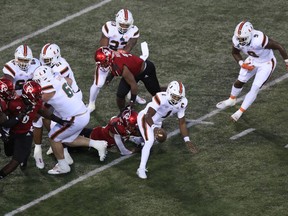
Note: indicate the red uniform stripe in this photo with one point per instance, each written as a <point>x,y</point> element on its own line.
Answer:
<point>240,27</point>
<point>264,40</point>
<point>25,50</point>
<point>64,70</point>
<point>126,14</point>
<point>144,126</point>
<point>10,69</point>
<point>45,48</point>
<point>180,87</point>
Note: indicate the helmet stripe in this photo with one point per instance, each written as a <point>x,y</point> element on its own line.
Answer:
<point>45,48</point>
<point>126,14</point>
<point>240,27</point>
<point>25,50</point>
<point>180,87</point>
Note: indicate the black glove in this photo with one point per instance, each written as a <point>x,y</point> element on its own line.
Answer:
<point>109,78</point>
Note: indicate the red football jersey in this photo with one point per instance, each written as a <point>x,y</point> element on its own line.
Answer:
<point>115,126</point>
<point>3,105</point>
<point>134,64</point>
<point>15,107</point>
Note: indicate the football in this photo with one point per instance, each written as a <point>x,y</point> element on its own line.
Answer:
<point>160,135</point>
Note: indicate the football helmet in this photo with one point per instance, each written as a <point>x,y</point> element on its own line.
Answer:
<point>23,57</point>
<point>124,20</point>
<point>129,117</point>
<point>175,92</point>
<point>243,33</point>
<point>31,92</point>
<point>50,54</point>
<point>43,74</point>
<point>7,91</point>
<point>103,56</point>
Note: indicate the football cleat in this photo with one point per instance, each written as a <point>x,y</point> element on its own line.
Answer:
<point>101,147</point>
<point>38,157</point>
<point>140,100</point>
<point>235,117</point>
<point>226,103</point>
<point>59,170</point>
<point>142,173</point>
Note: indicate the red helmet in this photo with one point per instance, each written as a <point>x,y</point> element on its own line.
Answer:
<point>7,91</point>
<point>31,92</point>
<point>103,56</point>
<point>129,117</point>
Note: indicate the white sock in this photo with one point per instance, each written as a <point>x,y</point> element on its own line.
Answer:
<point>38,147</point>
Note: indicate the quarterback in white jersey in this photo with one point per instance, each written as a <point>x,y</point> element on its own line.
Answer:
<point>149,120</point>
<point>119,35</point>
<point>58,93</point>
<point>21,68</point>
<point>260,63</point>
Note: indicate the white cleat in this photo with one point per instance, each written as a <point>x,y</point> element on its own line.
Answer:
<point>38,158</point>
<point>140,100</point>
<point>142,173</point>
<point>68,157</point>
<point>235,117</point>
<point>50,151</point>
<point>126,152</point>
<point>226,103</point>
<point>91,107</point>
<point>59,170</point>
<point>101,147</point>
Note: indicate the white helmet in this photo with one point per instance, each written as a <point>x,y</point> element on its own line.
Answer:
<point>243,33</point>
<point>50,54</point>
<point>124,20</point>
<point>43,75</point>
<point>175,92</point>
<point>23,57</point>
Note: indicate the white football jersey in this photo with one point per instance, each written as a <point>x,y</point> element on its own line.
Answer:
<point>65,103</point>
<point>63,69</point>
<point>164,109</point>
<point>116,39</point>
<point>20,76</point>
<point>256,49</point>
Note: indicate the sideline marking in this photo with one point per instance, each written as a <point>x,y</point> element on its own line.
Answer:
<point>60,22</point>
<point>243,133</point>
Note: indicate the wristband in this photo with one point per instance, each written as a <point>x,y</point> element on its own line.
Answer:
<point>286,61</point>
<point>153,126</point>
<point>240,63</point>
<point>186,139</point>
<point>133,98</point>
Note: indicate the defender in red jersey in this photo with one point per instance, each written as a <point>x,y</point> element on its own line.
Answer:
<point>118,130</point>
<point>132,69</point>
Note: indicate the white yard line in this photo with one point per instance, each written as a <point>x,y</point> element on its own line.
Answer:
<point>100,169</point>
<point>243,133</point>
<point>60,22</point>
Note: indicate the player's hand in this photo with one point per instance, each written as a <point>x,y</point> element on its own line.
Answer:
<point>248,67</point>
<point>192,148</point>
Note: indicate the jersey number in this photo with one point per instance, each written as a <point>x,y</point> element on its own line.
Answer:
<point>68,90</point>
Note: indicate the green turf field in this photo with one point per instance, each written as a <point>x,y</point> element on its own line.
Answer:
<point>188,41</point>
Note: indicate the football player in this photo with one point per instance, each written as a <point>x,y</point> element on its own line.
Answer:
<point>132,69</point>
<point>58,93</point>
<point>21,68</point>
<point>118,130</point>
<point>260,63</point>
<point>120,35</point>
<point>163,105</point>
<point>51,56</point>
